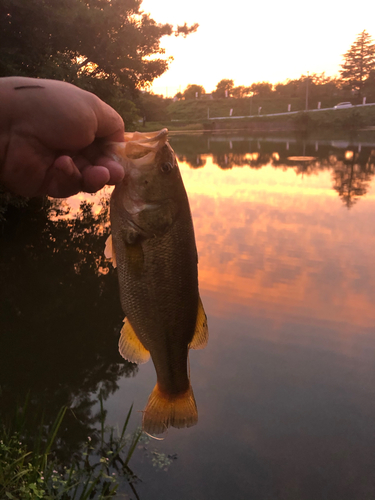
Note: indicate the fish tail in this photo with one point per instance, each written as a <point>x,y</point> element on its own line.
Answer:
<point>169,410</point>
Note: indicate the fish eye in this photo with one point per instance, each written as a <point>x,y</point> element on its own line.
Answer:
<point>166,167</point>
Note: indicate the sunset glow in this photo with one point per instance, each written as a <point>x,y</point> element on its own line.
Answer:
<point>250,42</point>
<point>277,244</point>
<point>266,239</point>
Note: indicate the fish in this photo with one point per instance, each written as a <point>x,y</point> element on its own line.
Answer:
<point>152,244</point>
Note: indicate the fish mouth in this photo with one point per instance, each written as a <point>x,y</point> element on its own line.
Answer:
<point>139,149</point>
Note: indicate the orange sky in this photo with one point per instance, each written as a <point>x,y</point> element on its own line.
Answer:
<point>251,42</point>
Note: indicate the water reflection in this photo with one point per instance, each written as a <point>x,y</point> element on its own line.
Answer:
<point>59,315</point>
<point>352,163</point>
<point>287,277</point>
<point>283,243</point>
<point>285,386</point>
<point>352,179</point>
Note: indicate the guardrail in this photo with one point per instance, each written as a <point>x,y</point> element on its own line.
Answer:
<point>289,112</point>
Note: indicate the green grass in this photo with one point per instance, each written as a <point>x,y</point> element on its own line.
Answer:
<point>171,126</point>
<point>199,110</point>
<point>29,472</point>
<point>192,115</point>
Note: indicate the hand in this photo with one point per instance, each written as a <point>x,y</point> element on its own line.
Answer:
<point>52,138</point>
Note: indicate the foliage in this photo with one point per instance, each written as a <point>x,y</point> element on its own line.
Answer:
<point>369,86</point>
<point>152,107</point>
<point>262,89</point>
<point>193,91</point>
<point>110,47</point>
<point>23,473</point>
<point>59,323</point>
<point>359,60</point>
<point>240,92</point>
<point>8,200</point>
<point>59,305</point>
<point>288,89</point>
<point>321,88</point>
<point>31,469</point>
<point>223,88</point>
<point>351,182</point>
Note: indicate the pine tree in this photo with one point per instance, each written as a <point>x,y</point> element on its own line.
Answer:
<point>359,60</point>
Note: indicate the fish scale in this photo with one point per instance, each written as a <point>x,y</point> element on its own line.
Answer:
<point>154,247</point>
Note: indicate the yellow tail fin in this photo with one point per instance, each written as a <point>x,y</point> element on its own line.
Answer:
<point>164,410</point>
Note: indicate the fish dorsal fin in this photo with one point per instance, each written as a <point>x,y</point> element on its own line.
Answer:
<point>109,251</point>
<point>200,338</point>
<point>130,347</point>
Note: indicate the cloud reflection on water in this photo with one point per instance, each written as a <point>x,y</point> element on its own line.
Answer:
<point>284,387</point>
<point>271,240</point>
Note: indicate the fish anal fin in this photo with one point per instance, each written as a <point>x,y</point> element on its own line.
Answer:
<point>109,250</point>
<point>200,338</point>
<point>169,410</point>
<point>130,347</point>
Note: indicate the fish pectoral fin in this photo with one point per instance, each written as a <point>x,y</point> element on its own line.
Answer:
<point>130,347</point>
<point>169,410</point>
<point>109,251</point>
<point>200,338</point>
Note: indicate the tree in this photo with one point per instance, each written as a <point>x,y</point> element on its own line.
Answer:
<point>262,89</point>
<point>103,46</point>
<point>240,91</point>
<point>287,89</point>
<point>359,60</point>
<point>152,107</point>
<point>322,86</point>
<point>224,88</point>
<point>369,85</point>
<point>192,90</point>
<point>73,326</point>
<point>350,183</point>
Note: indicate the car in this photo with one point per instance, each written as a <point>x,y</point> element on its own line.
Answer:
<point>343,105</point>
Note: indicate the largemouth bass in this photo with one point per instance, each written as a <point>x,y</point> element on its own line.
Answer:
<point>153,246</point>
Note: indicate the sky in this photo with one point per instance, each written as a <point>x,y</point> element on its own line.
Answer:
<point>251,42</point>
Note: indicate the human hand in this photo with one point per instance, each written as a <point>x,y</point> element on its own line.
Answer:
<point>52,138</point>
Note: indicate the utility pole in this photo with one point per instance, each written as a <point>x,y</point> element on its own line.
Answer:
<point>307,92</point>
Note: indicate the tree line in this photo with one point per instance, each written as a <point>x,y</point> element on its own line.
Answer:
<point>112,48</point>
<point>357,75</point>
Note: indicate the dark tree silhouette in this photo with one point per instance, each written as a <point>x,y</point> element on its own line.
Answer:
<point>60,315</point>
<point>352,179</point>
<point>359,60</point>
<point>192,91</point>
<point>102,46</point>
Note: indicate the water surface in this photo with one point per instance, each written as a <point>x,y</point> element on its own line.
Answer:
<point>285,387</point>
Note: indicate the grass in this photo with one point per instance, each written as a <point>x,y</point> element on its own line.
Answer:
<point>96,472</point>
<point>171,126</point>
<point>192,116</point>
<point>198,110</point>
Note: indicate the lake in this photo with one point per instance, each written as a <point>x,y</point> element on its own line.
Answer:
<point>285,388</point>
